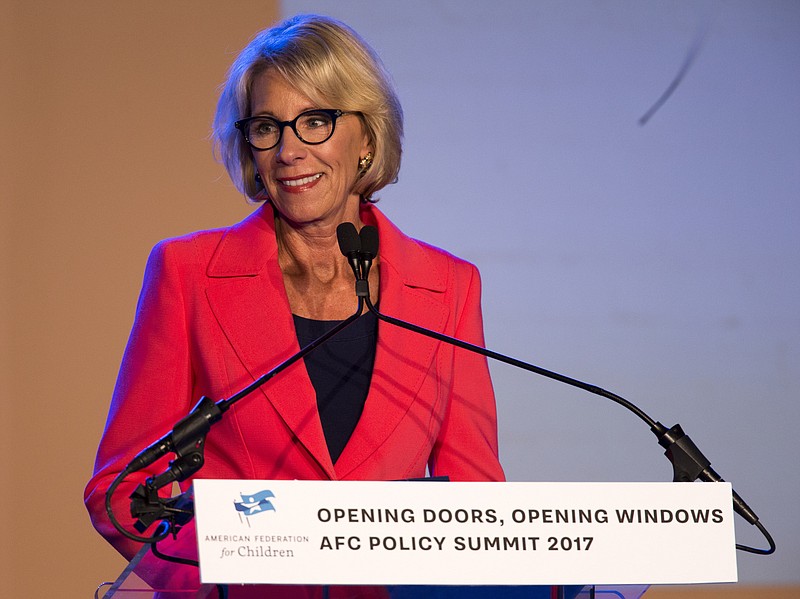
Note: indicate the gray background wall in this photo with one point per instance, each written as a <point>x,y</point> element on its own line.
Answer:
<point>661,262</point>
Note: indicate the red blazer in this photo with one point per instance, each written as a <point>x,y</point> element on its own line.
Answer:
<point>213,316</point>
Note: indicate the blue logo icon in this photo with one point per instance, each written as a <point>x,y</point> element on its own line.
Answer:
<point>258,503</point>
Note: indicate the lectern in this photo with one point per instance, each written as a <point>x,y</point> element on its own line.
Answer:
<point>466,540</point>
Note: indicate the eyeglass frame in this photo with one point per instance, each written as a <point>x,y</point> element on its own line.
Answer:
<point>333,113</point>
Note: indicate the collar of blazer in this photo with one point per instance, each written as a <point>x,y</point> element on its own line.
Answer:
<point>246,248</point>
<point>247,297</point>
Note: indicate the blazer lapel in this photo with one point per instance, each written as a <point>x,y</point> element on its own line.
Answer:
<point>248,299</point>
<point>407,277</point>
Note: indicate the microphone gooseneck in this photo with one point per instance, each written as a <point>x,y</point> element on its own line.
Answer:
<point>688,462</point>
<point>187,438</point>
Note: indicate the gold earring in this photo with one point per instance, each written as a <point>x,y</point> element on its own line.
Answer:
<point>365,162</point>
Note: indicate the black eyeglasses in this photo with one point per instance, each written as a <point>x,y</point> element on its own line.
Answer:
<point>311,127</point>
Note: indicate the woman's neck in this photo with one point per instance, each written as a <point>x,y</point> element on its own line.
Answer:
<point>317,278</point>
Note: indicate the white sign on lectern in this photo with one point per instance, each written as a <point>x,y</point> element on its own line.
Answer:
<point>446,533</point>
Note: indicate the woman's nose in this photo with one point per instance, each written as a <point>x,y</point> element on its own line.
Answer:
<point>289,147</point>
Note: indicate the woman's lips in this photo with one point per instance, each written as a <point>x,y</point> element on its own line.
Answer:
<point>301,183</point>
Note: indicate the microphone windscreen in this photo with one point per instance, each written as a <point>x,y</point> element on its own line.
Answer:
<point>369,240</point>
<point>349,241</point>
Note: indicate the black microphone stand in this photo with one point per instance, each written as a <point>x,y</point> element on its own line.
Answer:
<point>688,462</point>
<point>187,442</point>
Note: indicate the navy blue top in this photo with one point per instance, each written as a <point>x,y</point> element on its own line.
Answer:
<point>340,371</point>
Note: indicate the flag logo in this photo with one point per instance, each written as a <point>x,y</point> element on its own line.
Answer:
<point>253,504</point>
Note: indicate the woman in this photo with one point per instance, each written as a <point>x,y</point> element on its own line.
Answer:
<point>307,123</point>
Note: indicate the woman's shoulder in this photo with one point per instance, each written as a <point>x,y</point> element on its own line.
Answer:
<point>202,246</point>
<point>401,247</point>
<point>436,253</point>
<point>189,247</point>
<point>444,261</point>
<point>423,265</point>
<point>202,237</point>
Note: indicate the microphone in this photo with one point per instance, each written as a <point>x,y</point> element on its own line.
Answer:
<point>197,423</point>
<point>688,462</point>
<point>351,245</point>
<point>369,249</point>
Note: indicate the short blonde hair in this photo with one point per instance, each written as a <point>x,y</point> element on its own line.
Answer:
<point>331,64</point>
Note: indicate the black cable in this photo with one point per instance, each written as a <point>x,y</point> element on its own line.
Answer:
<point>110,511</point>
<point>514,362</point>
<point>171,558</point>
<point>224,404</point>
<point>222,589</point>
<point>755,550</point>
<point>656,427</point>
